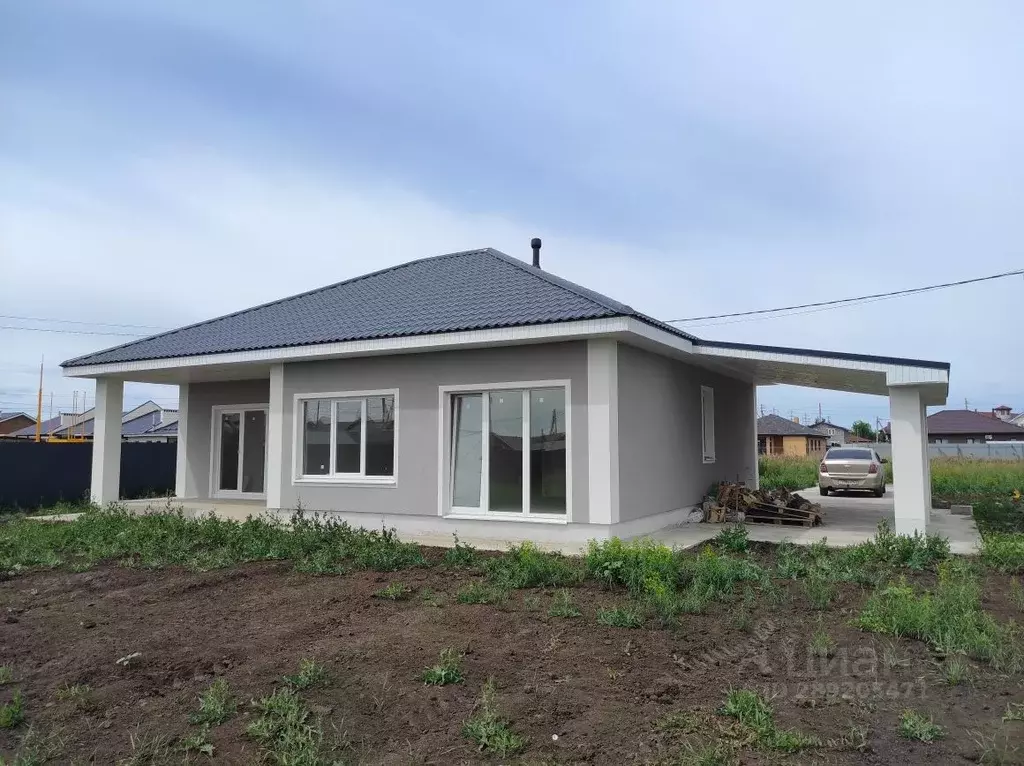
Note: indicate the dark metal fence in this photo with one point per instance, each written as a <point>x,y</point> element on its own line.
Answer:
<point>37,475</point>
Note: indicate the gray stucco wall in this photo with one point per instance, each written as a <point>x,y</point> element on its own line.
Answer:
<point>660,461</point>
<point>201,399</point>
<point>417,378</point>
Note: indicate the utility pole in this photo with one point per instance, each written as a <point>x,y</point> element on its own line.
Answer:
<point>39,401</point>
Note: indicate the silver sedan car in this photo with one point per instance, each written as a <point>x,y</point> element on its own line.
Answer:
<point>852,468</point>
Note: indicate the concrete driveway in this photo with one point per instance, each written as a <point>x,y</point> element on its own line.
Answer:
<point>849,519</point>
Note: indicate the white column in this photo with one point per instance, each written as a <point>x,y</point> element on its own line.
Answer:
<point>927,459</point>
<point>911,473</point>
<point>603,430</point>
<point>106,446</point>
<point>184,483</point>
<point>756,481</point>
<point>275,437</point>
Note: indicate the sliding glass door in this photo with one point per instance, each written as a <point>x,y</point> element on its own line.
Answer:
<point>508,452</point>
<point>240,451</point>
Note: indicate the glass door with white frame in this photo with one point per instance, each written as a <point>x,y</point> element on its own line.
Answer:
<point>240,454</point>
<point>509,452</point>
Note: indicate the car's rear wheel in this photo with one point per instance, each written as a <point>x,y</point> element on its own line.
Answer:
<point>880,492</point>
<point>823,491</point>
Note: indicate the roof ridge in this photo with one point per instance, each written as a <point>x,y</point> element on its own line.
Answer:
<point>324,288</point>
<point>605,302</point>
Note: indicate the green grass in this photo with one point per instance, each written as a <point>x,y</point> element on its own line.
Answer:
<point>1004,551</point>
<point>1017,594</point>
<point>955,670</point>
<point>13,712</point>
<point>447,671</point>
<point>1014,712</point>
<point>310,674</point>
<point>819,592</point>
<point>481,593</point>
<point>914,725</point>
<point>822,644</point>
<point>754,713</point>
<point>950,618</point>
<point>562,605</point>
<point>80,695</point>
<point>6,674</point>
<point>286,731</point>
<point>216,705</point>
<point>461,556</point>
<point>732,539</point>
<point>526,566</point>
<point>395,591</point>
<point>491,732</point>
<point>166,539</point>
<point>620,617</point>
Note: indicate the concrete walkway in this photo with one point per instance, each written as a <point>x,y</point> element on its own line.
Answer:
<point>848,520</point>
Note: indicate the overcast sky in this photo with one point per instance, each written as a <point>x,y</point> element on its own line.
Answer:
<point>165,162</point>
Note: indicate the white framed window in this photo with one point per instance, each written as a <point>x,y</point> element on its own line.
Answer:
<point>347,437</point>
<point>508,451</point>
<point>831,432</point>
<point>707,423</point>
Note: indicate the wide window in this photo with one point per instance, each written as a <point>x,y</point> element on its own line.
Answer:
<point>508,453</point>
<point>347,437</point>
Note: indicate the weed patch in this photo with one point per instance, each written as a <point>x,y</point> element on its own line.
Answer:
<point>732,539</point>
<point>489,730</point>
<point>13,712</point>
<point>562,605</point>
<point>461,556</point>
<point>950,619</point>
<point>447,671</point>
<point>395,591</point>
<point>481,593</point>
<point>287,732</point>
<point>822,644</point>
<point>620,617</point>
<point>310,674</point>
<point>6,674</point>
<point>216,705</point>
<point>914,725</point>
<point>526,566</point>
<point>79,695</point>
<point>1004,551</point>
<point>755,714</point>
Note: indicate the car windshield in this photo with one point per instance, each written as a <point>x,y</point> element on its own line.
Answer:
<point>849,454</point>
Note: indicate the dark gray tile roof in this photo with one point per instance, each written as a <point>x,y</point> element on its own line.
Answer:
<point>46,427</point>
<point>8,415</point>
<point>970,422</point>
<point>776,425</point>
<point>471,290</point>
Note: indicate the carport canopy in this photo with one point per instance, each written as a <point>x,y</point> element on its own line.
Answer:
<point>911,385</point>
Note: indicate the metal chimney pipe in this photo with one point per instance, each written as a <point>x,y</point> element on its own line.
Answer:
<point>535,244</point>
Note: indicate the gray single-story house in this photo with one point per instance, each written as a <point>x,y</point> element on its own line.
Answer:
<point>478,394</point>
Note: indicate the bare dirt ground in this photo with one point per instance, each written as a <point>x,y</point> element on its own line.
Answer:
<point>579,691</point>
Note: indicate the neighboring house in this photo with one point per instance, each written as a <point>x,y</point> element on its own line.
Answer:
<point>473,393</point>
<point>835,436</point>
<point>145,418</point>
<point>15,421</point>
<point>166,431</point>
<point>777,435</point>
<point>852,438</point>
<point>970,427</point>
<point>1018,420</point>
<point>1005,413</point>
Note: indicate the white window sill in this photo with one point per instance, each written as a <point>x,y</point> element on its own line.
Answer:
<point>709,460</point>
<point>347,481</point>
<point>520,517</point>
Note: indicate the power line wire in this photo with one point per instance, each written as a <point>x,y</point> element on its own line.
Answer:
<point>859,299</point>
<point>80,321</point>
<point>73,332</point>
